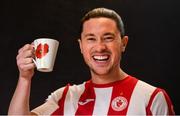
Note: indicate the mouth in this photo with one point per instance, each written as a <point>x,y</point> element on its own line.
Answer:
<point>101,58</point>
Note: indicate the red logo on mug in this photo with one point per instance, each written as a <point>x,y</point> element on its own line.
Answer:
<point>42,50</point>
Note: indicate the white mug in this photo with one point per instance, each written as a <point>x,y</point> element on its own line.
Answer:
<point>45,53</point>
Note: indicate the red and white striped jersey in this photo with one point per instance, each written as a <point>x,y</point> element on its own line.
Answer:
<point>125,97</point>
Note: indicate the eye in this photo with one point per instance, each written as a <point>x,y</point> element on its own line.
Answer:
<point>108,38</point>
<point>91,39</point>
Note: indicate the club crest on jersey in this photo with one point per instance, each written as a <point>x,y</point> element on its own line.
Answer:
<point>119,103</point>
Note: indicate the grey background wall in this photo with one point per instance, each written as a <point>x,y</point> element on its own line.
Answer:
<point>152,54</point>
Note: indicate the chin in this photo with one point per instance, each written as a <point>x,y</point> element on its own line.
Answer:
<point>100,72</point>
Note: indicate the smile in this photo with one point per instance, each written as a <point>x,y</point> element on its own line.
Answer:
<point>101,57</point>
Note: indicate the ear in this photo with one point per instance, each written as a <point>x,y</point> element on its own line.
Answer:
<point>80,45</point>
<point>124,43</point>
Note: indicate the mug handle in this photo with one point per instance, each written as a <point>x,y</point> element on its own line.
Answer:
<point>34,62</point>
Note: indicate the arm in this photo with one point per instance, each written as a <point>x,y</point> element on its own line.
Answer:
<point>20,101</point>
<point>160,104</point>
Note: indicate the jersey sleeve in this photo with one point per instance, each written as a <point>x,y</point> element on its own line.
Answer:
<point>51,103</point>
<point>160,103</point>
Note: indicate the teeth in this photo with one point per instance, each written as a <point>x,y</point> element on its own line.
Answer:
<point>100,57</point>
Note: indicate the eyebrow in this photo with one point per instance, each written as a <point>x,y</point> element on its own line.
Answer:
<point>89,34</point>
<point>109,33</point>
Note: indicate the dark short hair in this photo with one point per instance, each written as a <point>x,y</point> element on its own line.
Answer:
<point>107,13</point>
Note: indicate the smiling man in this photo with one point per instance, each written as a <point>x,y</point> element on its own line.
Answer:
<point>101,45</point>
<point>110,91</point>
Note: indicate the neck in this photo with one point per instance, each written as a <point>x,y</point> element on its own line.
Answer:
<point>113,76</point>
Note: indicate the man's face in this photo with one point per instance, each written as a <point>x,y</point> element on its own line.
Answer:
<point>101,45</point>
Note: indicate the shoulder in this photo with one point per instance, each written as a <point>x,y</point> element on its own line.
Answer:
<point>145,88</point>
<point>156,99</point>
<point>73,89</point>
<point>54,100</point>
<point>142,87</point>
<point>142,92</point>
<point>160,103</point>
<point>147,92</point>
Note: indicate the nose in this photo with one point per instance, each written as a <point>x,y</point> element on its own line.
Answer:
<point>100,46</point>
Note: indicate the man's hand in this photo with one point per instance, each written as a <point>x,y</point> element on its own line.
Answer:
<point>25,61</point>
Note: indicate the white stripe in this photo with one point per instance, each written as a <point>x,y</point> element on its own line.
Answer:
<point>159,105</point>
<point>72,98</point>
<point>103,98</point>
<point>140,98</point>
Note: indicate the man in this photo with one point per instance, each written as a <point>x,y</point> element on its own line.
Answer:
<point>110,91</point>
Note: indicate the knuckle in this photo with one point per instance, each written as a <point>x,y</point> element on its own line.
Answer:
<point>21,66</point>
<point>26,45</point>
<point>30,52</point>
<point>17,57</point>
<point>19,51</point>
<point>29,60</point>
<point>19,62</point>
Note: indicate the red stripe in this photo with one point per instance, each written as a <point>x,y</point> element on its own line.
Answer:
<point>86,109</point>
<point>60,110</point>
<point>121,90</point>
<point>169,103</point>
<point>168,100</point>
<point>148,110</point>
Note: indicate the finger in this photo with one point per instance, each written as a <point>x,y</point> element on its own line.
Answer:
<point>27,67</point>
<point>26,47</point>
<point>25,61</point>
<point>32,43</point>
<point>26,54</point>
